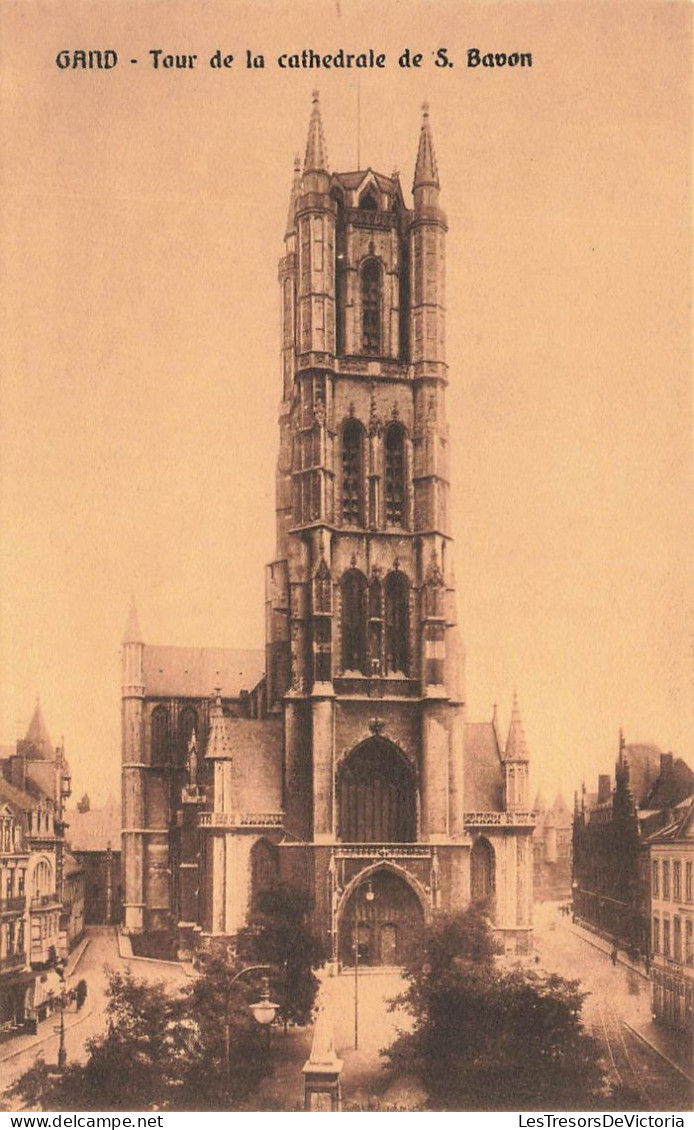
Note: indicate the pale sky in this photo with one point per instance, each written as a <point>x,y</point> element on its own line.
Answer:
<point>142,220</point>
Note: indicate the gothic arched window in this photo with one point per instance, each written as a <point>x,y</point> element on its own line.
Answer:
<point>265,871</point>
<point>160,735</point>
<point>482,882</point>
<point>377,795</point>
<point>353,587</point>
<point>371,306</point>
<point>368,201</point>
<point>397,623</point>
<point>396,496</point>
<point>352,475</point>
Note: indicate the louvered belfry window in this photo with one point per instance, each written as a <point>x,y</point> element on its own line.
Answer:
<point>352,511</point>
<point>371,307</point>
<point>353,624</point>
<point>395,476</point>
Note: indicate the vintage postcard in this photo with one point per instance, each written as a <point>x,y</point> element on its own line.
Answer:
<point>346,703</point>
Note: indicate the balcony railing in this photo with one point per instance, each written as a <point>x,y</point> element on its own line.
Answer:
<point>383,851</point>
<point>500,819</point>
<point>241,819</point>
<point>13,904</point>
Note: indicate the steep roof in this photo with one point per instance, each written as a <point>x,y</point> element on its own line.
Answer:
<point>354,179</point>
<point>483,785</point>
<point>644,768</point>
<point>516,749</point>
<point>96,829</point>
<point>195,672</point>
<point>680,824</point>
<point>23,799</point>
<point>675,782</point>
<point>39,746</point>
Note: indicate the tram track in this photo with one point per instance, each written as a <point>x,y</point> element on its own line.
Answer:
<point>610,1030</point>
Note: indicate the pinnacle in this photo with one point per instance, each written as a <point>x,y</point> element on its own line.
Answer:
<point>132,628</point>
<point>316,159</point>
<point>515,745</point>
<point>425,173</point>
<point>294,194</point>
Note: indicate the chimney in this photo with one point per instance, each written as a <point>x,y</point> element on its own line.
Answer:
<point>666,766</point>
<point>604,788</point>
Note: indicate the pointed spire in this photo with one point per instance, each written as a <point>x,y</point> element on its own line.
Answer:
<point>515,744</point>
<point>132,632</point>
<point>294,194</point>
<point>316,159</point>
<point>37,736</point>
<point>425,173</point>
<point>218,741</point>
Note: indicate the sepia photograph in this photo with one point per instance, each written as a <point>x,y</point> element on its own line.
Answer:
<point>346,600</point>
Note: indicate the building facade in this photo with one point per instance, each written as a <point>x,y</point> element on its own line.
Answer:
<point>552,849</point>
<point>671,857</point>
<point>611,869</point>
<point>41,887</point>
<point>340,760</point>
<point>94,835</point>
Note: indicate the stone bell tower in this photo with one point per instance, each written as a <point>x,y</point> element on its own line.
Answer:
<point>362,650</point>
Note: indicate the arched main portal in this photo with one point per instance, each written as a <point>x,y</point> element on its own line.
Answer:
<point>385,915</point>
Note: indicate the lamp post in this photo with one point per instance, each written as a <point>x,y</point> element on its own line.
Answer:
<point>62,1052</point>
<point>264,1012</point>
<point>369,896</point>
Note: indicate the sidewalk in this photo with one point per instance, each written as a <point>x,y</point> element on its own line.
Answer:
<point>676,1050</point>
<point>604,946</point>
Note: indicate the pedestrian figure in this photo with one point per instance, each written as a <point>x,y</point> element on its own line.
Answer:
<point>614,954</point>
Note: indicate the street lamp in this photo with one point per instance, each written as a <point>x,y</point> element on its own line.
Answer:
<point>264,1011</point>
<point>369,896</point>
<point>62,1052</point>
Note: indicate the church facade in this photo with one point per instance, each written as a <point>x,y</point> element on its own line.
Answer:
<point>340,759</point>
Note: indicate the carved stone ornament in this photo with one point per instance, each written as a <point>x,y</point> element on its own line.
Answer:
<point>377,725</point>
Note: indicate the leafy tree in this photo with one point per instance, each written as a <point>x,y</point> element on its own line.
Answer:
<point>162,1050</point>
<point>281,937</point>
<point>486,1038</point>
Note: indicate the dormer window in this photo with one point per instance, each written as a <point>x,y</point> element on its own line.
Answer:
<point>368,201</point>
<point>371,306</point>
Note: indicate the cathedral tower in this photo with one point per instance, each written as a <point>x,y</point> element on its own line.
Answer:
<point>362,650</point>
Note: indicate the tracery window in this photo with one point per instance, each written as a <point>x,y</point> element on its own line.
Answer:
<point>371,306</point>
<point>377,795</point>
<point>397,623</point>
<point>352,490</point>
<point>353,624</point>
<point>395,475</point>
<point>160,735</point>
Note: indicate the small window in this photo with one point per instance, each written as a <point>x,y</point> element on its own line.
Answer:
<point>688,882</point>
<point>656,879</point>
<point>656,935</point>
<point>666,879</point>
<point>677,880</point>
